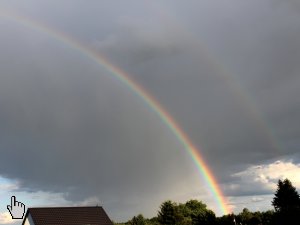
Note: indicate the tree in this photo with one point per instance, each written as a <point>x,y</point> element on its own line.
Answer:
<point>197,213</point>
<point>137,220</point>
<point>207,217</point>
<point>226,220</point>
<point>286,197</point>
<point>153,221</point>
<point>267,217</point>
<point>245,216</point>
<point>195,205</point>
<point>286,203</point>
<point>168,213</point>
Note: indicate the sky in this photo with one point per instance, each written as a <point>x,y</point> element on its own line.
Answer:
<point>73,134</point>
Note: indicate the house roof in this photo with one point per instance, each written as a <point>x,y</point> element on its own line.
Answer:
<point>69,216</point>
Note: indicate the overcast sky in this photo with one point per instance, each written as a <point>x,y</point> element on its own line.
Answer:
<point>72,134</point>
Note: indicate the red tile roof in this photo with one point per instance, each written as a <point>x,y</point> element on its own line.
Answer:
<point>69,216</point>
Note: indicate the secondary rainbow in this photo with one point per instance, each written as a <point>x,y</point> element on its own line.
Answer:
<point>122,76</point>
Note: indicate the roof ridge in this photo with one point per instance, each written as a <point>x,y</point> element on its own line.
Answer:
<point>53,207</point>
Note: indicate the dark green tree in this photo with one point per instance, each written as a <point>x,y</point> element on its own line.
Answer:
<point>286,203</point>
<point>168,213</point>
<point>229,219</point>
<point>197,213</point>
<point>207,217</point>
<point>195,205</point>
<point>153,221</point>
<point>286,197</point>
<point>137,220</point>
<point>244,217</point>
<point>267,217</point>
<point>256,219</point>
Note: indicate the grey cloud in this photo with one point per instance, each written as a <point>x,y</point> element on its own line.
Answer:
<point>208,102</point>
<point>229,79</point>
<point>66,124</point>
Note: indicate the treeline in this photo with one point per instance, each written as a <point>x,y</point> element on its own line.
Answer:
<point>286,203</point>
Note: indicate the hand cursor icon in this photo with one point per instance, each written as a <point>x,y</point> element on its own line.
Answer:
<point>16,209</point>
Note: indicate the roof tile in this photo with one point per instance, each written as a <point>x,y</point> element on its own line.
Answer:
<point>69,216</point>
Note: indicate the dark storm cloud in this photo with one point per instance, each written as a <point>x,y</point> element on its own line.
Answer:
<point>260,61</point>
<point>67,126</point>
<point>228,75</point>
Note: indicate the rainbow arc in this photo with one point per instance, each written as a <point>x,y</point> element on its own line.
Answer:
<point>149,100</point>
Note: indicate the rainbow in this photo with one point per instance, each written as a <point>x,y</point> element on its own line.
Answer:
<point>226,75</point>
<point>123,77</point>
